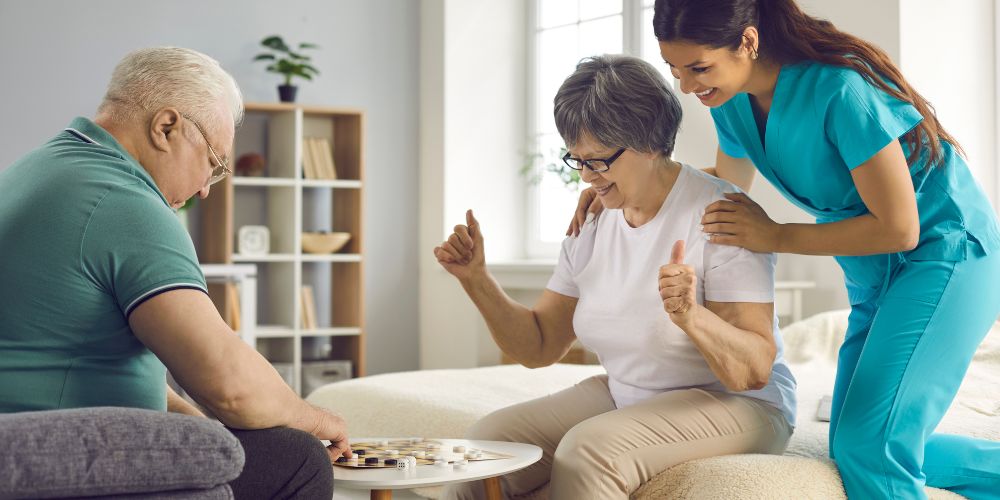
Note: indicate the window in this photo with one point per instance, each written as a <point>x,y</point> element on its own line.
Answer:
<point>565,31</point>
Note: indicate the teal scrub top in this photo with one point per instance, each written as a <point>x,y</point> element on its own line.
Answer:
<point>85,237</point>
<point>827,120</point>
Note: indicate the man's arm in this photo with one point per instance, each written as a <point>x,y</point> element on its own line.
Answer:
<point>177,404</point>
<point>223,373</point>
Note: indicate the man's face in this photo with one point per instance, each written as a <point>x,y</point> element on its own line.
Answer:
<point>195,162</point>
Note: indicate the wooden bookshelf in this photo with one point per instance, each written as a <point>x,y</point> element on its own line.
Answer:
<point>288,204</point>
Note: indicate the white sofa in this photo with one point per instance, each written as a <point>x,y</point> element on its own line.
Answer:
<point>444,403</point>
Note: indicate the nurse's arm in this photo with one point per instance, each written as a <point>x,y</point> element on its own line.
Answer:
<point>737,341</point>
<point>892,224</point>
<point>739,171</point>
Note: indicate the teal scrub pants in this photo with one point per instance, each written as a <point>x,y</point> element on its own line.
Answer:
<point>901,364</point>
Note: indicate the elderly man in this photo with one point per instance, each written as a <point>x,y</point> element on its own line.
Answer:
<point>100,285</point>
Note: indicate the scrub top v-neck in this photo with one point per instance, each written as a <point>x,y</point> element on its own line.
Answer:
<point>825,121</point>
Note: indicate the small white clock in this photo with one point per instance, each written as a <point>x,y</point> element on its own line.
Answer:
<point>253,240</point>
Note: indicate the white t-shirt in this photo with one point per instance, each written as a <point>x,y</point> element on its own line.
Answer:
<point>613,269</point>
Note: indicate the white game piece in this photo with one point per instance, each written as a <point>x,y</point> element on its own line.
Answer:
<point>383,443</point>
<point>440,463</point>
<point>355,456</point>
<point>419,454</point>
<point>416,440</point>
<point>461,465</point>
<point>459,449</point>
<point>434,456</point>
<point>433,446</point>
<point>469,455</point>
<point>412,461</point>
<point>393,453</point>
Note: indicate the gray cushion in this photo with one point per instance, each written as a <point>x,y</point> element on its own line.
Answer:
<point>112,451</point>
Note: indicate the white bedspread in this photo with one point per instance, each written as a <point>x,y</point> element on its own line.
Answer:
<point>444,403</point>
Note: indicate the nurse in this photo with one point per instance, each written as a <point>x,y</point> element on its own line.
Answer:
<point>830,121</point>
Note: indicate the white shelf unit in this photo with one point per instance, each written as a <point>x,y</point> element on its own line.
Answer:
<point>288,204</point>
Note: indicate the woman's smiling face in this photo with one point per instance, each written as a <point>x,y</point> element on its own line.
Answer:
<point>713,75</point>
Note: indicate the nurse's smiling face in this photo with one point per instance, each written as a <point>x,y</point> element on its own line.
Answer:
<point>714,75</point>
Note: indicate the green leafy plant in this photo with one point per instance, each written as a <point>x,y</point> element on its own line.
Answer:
<point>287,62</point>
<point>552,163</point>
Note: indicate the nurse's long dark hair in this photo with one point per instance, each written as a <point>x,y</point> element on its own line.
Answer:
<point>788,35</point>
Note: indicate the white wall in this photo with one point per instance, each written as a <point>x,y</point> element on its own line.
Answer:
<point>472,137</point>
<point>57,58</point>
<point>949,56</point>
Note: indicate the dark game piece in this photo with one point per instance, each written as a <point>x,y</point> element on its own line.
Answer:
<point>371,461</point>
<point>390,461</point>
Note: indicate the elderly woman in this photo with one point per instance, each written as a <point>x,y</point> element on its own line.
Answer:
<point>684,327</point>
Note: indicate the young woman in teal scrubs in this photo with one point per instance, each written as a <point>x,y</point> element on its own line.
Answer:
<point>830,121</point>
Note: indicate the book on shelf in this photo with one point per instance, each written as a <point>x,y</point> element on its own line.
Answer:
<point>317,158</point>
<point>326,150</point>
<point>308,308</point>
<point>309,170</point>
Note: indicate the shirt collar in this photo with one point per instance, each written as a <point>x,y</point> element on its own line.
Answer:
<point>96,134</point>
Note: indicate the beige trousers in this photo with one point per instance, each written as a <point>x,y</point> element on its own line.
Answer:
<point>593,450</point>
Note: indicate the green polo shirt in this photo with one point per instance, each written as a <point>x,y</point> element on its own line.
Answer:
<point>85,237</point>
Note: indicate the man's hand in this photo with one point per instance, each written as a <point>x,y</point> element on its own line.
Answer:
<point>678,286</point>
<point>332,427</point>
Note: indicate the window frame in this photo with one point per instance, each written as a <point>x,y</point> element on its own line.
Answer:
<point>632,30</point>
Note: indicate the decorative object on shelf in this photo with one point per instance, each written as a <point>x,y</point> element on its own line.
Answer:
<point>288,63</point>
<point>317,159</point>
<point>308,308</point>
<point>250,165</point>
<point>324,242</point>
<point>254,240</point>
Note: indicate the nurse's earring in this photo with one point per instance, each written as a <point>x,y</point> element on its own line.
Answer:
<point>753,54</point>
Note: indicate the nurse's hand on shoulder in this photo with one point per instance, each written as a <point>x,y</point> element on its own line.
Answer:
<point>740,221</point>
<point>462,253</point>
<point>589,204</point>
<point>678,284</point>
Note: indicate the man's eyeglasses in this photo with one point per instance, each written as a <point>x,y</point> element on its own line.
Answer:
<point>221,168</point>
<point>596,165</point>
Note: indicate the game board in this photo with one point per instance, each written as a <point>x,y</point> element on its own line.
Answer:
<point>424,451</point>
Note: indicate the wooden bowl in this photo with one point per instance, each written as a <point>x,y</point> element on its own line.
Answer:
<point>323,242</point>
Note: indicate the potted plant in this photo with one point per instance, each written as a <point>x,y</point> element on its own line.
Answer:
<point>287,62</point>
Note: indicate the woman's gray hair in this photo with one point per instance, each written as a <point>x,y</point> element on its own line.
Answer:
<point>619,101</point>
<point>150,79</point>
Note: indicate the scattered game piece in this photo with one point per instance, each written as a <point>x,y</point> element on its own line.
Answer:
<point>440,463</point>
<point>404,450</point>
<point>391,461</point>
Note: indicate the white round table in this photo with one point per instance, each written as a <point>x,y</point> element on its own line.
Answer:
<point>381,482</point>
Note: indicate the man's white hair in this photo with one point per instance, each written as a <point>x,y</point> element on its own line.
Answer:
<point>150,79</point>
